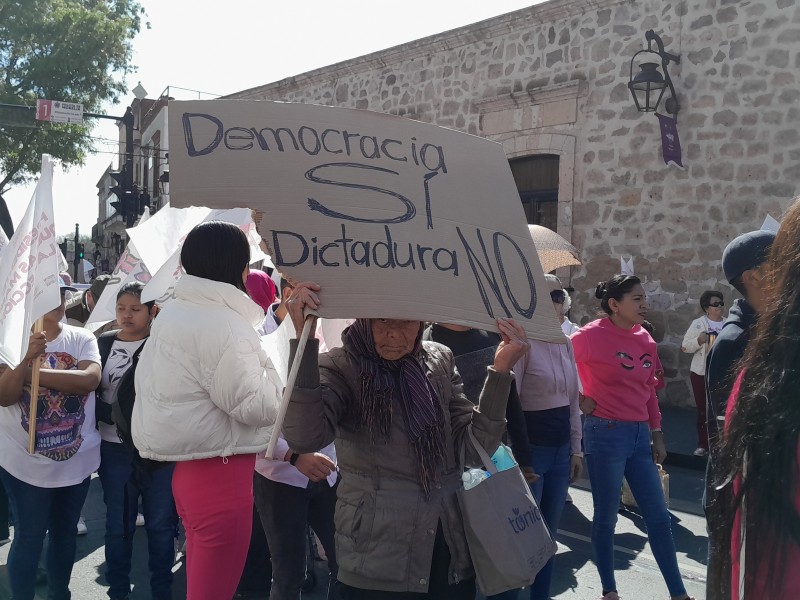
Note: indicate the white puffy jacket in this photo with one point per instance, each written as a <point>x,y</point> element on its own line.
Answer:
<point>204,385</point>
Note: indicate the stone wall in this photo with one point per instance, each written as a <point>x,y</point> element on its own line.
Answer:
<point>552,79</point>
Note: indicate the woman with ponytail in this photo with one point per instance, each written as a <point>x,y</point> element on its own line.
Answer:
<point>760,449</point>
<point>617,363</point>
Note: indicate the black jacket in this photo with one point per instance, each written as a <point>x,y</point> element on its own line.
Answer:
<point>474,351</point>
<point>721,363</point>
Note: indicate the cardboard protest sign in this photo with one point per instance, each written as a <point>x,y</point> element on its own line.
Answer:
<point>29,285</point>
<point>392,217</point>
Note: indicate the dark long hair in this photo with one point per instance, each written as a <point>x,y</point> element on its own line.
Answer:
<point>218,251</point>
<point>763,429</point>
<point>615,288</point>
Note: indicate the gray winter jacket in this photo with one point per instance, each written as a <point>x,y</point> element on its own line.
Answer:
<point>385,527</point>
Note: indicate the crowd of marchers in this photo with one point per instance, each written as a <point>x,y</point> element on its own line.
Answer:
<point>173,407</point>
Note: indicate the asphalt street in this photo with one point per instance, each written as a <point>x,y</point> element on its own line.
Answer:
<point>575,576</point>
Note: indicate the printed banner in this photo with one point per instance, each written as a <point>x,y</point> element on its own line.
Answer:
<point>392,217</point>
<point>129,268</point>
<point>160,288</point>
<point>29,271</point>
<point>670,142</point>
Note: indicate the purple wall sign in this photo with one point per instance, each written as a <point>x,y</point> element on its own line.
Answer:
<point>670,143</point>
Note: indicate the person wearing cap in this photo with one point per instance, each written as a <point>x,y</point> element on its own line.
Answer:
<point>82,305</point>
<point>742,262</point>
<point>47,488</point>
<point>758,452</point>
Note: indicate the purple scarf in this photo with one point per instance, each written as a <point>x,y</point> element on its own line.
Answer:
<point>418,400</point>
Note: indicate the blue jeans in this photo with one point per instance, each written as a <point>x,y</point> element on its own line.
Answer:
<point>622,448</point>
<point>551,463</point>
<point>39,511</point>
<point>123,483</point>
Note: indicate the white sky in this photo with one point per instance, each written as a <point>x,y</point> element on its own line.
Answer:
<point>239,44</point>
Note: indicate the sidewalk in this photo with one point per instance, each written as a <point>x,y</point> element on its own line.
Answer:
<point>680,435</point>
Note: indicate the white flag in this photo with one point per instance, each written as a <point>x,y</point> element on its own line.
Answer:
<point>3,239</point>
<point>29,271</point>
<point>161,286</point>
<point>771,224</point>
<point>626,266</point>
<point>63,265</point>
<point>129,268</point>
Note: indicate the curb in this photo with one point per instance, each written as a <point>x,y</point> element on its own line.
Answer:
<point>686,461</point>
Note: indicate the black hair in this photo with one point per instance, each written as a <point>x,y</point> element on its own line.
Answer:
<point>762,432</point>
<point>705,298</point>
<point>285,284</point>
<point>615,288</point>
<point>218,251</point>
<point>134,288</point>
<point>648,327</point>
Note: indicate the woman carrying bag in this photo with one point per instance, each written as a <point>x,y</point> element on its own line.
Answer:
<point>396,406</point>
<point>698,341</point>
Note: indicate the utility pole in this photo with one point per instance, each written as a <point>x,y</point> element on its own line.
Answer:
<point>75,259</point>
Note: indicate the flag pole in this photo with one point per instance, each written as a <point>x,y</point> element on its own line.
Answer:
<point>287,391</point>
<point>37,328</point>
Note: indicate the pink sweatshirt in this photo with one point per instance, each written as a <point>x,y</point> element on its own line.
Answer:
<point>617,368</point>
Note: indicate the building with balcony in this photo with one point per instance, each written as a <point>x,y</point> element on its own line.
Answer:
<point>150,176</point>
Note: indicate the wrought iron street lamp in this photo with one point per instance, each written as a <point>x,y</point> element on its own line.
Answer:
<point>652,81</point>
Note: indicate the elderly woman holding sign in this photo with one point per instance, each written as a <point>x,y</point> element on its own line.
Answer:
<point>397,410</point>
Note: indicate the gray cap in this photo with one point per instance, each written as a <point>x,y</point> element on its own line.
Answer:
<point>98,285</point>
<point>746,252</point>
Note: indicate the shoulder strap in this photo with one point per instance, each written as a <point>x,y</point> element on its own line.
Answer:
<point>104,344</point>
<point>136,354</point>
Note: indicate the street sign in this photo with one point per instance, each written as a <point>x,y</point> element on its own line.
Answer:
<point>56,111</point>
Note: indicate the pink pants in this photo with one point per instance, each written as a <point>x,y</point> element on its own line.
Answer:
<point>214,498</point>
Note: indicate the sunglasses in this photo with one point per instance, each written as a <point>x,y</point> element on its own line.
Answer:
<point>716,304</point>
<point>558,296</point>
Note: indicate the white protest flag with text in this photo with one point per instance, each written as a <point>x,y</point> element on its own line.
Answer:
<point>161,286</point>
<point>3,239</point>
<point>153,237</point>
<point>29,271</point>
<point>159,236</point>
<point>63,265</point>
<point>129,268</point>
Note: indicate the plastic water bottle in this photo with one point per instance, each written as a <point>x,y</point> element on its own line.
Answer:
<point>473,477</point>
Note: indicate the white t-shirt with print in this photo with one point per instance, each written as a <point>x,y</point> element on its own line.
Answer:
<point>67,441</point>
<point>119,360</point>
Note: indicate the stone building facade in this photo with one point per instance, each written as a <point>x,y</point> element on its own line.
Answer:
<point>551,80</point>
